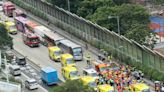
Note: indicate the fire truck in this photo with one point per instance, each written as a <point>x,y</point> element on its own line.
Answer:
<point>19,12</point>
<point>8,8</point>
<point>30,39</point>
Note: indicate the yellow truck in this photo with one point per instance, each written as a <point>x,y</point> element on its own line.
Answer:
<point>10,27</point>
<point>54,53</point>
<point>105,88</point>
<point>89,81</point>
<point>139,87</point>
<point>67,60</point>
<point>70,73</point>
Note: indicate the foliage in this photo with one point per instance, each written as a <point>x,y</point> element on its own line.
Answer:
<point>72,86</point>
<point>133,20</point>
<point>119,2</point>
<point>74,4</point>
<point>88,7</point>
<point>5,39</point>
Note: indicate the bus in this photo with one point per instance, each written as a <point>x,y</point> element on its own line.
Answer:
<point>52,39</point>
<point>72,48</point>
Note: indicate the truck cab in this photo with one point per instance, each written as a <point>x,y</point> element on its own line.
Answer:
<point>139,87</point>
<point>8,8</point>
<point>54,53</point>
<point>105,88</point>
<point>15,70</point>
<point>70,73</point>
<point>67,60</point>
<point>49,76</point>
<point>18,12</point>
<point>10,27</point>
<point>102,68</point>
<point>30,39</point>
<point>89,71</point>
<point>89,81</point>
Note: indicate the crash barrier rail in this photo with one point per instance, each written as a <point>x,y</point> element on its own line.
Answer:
<point>126,50</point>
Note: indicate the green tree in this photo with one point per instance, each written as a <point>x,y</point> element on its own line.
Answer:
<point>74,4</point>
<point>131,17</point>
<point>88,7</point>
<point>120,2</point>
<point>5,39</point>
<point>72,86</point>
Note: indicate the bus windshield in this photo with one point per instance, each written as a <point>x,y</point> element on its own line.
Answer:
<point>57,53</point>
<point>77,51</point>
<point>70,61</point>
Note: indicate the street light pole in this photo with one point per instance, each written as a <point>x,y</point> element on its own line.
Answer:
<point>68,5</point>
<point>118,30</point>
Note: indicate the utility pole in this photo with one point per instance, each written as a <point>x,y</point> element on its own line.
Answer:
<point>68,5</point>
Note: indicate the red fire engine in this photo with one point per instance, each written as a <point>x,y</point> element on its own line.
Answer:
<point>30,39</point>
<point>8,8</point>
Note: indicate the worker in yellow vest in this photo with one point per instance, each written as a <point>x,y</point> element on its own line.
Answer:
<point>110,58</point>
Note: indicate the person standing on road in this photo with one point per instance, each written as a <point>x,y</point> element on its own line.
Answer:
<point>88,57</point>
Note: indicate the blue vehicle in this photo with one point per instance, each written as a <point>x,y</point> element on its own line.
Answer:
<point>49,76</point>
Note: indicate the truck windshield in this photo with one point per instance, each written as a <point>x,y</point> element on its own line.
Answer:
<point>34,39</point>
<point>32,82</point>
<point>70,61</point>
<point>77,51</point>
<point>146,90</point>
<point>92,84</point>
<point>17,69</point>
<point>74,74</point>
<point>57,53</point>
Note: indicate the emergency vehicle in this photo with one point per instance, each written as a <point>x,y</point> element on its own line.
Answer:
<point>18,12</point>
<point>54,53</point>
<point>30,39</point>
<point>8,8</point>
<point>70,73</point>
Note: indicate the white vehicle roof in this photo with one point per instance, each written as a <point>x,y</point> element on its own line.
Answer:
<point>31,80</point>
<point>42,28</point>
<point>15,66</point>
<point>90,70</point>
<point>53,35</point>
<point>69,43</point>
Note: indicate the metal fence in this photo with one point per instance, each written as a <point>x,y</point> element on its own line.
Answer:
<point>97,36</point>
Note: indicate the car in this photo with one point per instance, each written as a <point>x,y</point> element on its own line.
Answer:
<point>31,84</point>
<point>21,60</point>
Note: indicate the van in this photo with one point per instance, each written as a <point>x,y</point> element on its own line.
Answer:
<point>54,53</point>
<point>70,73</point>
<point>10,27</point>
<point>20,60</point>
<point>105,88</point>
<point>139,87</point>
<point>15,70</point>
<point>67,60</point>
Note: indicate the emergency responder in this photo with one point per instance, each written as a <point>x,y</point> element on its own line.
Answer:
<point>88,57</point>
<point>110,58</point>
